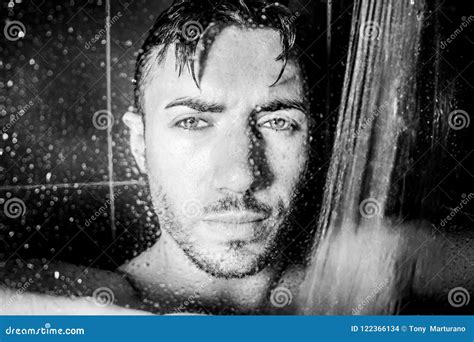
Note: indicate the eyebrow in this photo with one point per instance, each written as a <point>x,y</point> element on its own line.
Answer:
<point>276,105</point>
<point>196,104</point>
<point>209,107</point>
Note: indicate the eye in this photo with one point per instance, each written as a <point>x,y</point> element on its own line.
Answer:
<point>192,123</point>
<point>279,124</point>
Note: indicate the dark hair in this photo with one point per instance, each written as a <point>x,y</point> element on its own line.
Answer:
<point>185,23</point>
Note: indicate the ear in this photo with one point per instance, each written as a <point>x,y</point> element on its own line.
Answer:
<point>134,122</point>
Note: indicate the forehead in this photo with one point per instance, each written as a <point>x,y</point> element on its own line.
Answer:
<point>241,63</point>
<point>243,52</point>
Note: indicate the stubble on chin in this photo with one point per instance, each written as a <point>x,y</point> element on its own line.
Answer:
<point>234,259</point>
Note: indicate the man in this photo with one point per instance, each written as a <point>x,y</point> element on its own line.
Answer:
<point>223,133</point>
<point>226,149</point>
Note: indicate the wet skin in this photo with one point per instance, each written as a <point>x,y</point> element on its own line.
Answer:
<point>207,151</point>
<point>224,161</point>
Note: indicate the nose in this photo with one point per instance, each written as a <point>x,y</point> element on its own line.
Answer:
<point>237,159</point>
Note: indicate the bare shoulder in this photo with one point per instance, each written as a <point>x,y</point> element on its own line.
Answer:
<point>65,279</point>
<point>292,276</point>
<point>424,264</point>
<point>289,286</point>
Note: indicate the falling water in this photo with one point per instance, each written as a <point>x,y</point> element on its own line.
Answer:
<point>109,128</point>
<point>352,270</point>
<point>328,54</point>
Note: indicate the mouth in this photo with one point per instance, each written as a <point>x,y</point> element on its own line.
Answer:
<point>236,217</point>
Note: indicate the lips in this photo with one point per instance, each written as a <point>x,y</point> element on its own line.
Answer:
<point>236,217</point>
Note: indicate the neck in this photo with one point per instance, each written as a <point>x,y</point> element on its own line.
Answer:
<point>165,273</point>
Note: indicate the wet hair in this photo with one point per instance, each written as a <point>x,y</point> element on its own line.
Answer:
<point>186,23</point>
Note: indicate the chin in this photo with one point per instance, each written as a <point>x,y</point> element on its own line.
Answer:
<point>234,261</point>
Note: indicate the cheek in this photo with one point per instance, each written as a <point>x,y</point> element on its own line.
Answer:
<point>177,165</point>
<point>287,160</point>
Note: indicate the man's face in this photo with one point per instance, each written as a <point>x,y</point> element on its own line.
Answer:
<point>224,160</point>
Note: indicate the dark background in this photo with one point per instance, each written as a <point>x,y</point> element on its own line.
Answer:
<point>56,161</point>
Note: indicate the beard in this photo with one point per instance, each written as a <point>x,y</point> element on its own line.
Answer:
<point>221,257</point>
